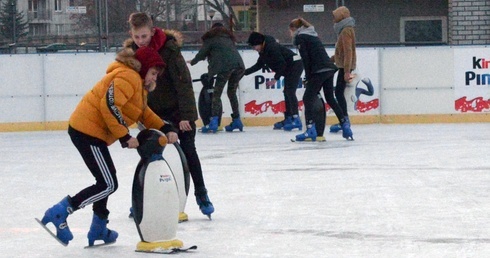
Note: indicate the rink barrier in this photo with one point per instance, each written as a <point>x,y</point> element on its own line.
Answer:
<point>411,85</point>
<point>269,121</point>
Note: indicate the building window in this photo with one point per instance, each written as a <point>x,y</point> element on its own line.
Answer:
<point>57,5</point>
<point>59,29</point>
<point>423,30</point>
<point>33,4</point>
<point>37,29</point>
<point>244,19</point>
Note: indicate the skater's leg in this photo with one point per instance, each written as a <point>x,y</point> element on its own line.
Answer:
<point>310,96</point>
<point>216,104</point>
<point>233,83</point>
<point>343,119</point>
<point>219,85</point>
<point>340,90</point>
<point>187,143</point>
<point>291,82</point>
<point>313,87</point>
<point>328,92</point>
<point>98,159</point>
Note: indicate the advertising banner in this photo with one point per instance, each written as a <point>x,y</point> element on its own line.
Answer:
<point>362,93</point>
<point>472,79</point>
<point>259,100</point>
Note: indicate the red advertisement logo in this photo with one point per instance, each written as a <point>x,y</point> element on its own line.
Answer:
<point>474,105</point>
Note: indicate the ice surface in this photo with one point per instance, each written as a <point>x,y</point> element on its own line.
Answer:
<point>396,191</point>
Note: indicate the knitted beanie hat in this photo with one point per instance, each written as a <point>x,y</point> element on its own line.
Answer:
<point>255,39</point>
<point>217,25</point>
<point>148,58</point>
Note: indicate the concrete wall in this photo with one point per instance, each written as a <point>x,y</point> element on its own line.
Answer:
<point>411,85</point>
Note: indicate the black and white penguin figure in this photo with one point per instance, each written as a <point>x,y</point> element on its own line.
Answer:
<point>155,196</point>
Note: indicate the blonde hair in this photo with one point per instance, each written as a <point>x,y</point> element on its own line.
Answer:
<point>298,23</point>
<point>138,20</point>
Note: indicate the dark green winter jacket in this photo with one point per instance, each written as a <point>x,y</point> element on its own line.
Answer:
<point>220,50</point>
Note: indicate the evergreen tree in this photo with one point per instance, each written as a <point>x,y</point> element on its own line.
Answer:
<point>7,12</point>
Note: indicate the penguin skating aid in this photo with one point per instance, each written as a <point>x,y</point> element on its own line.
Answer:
<point>155,196</point>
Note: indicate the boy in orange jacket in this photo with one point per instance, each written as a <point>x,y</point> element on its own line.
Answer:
<point>102,117</point>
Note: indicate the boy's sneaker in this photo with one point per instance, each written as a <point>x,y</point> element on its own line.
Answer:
<point>295,123</point>
<point>280,125</point>
<point>57,215</point>
<point>99,231</point>
<point>309,135</point>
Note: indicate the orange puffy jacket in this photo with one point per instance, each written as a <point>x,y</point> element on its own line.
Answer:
<point>116,102</point>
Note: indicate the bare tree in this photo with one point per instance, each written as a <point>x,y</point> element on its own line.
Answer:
<point>117,12</point>
<point>226,11</point>
<point>166,10</point>
<point>156,8</point>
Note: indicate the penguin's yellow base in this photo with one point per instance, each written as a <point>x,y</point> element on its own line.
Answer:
<point>164,245</point>
<point>183,217</point>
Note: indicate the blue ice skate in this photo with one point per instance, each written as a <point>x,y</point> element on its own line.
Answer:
<point>57,215</point>
<point>309,135</point>
<point>99,231</point>
<point>205,204</point>
<point>280,125</point>
<point>295,123</point>
<point>346,131</point>
<point>235,124</point>
<point>335,128</point>
<point>212,127</point>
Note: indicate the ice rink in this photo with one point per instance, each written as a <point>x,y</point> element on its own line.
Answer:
<point>396,191</point>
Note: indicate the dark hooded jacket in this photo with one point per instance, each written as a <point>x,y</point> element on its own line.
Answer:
<point>275,56</point>
<point>313,53</point>
<point>220,50</point>
<point>173,99</point>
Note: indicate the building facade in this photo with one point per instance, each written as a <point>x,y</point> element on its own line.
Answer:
<point>379,22</point>
<point>47,17</point>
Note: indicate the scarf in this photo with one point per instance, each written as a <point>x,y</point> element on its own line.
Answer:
<point>304,30</point>
<point>158,40</point>
<point>347,22</point>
